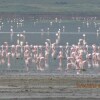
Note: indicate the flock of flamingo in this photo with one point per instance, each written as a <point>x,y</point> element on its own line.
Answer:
<point>76,56</point>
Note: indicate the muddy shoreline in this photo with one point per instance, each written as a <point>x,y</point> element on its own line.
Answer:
<point>48,87</point>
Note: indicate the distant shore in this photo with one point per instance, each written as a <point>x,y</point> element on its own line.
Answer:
<point>50,15</point>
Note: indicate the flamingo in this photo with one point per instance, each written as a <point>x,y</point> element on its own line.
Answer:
<point>70,63</point>
<point>8,57</point>
<point>18,41</point>
<point>46,58</point>
<point>27,62</point>
<point>2,57</point>
<point>95,59</point>
<point>89,59</point>
<point>22,38</point>
<point>26,54</point>
<point>49,41</point>
<point>60,57</point>
<point>84,40</point>
<point>47,51</point>
<point>47,47</point>
<point>58,36</point>
<point>35,53</point>
<point>11,34</point>
<point>13,50</point>
<point>37,61</point>
<point>54,52</point>
<point>17,51</point>
<point>26,46</point>
<point>41,62</point>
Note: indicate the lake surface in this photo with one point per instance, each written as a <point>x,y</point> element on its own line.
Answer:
<point>37,31</point>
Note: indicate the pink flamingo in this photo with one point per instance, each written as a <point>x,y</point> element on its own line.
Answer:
<point>26,54</point>
<point>17,51</point>
<point>47,51</point>
<point>2,56</point>
<point>53,47</point>
<point>35,53</point>
<point>11,34</point>
<point>26,47</point>
<point>70,63</point>
<point>27,62</point>
<point>18,41</point>
<point>48,43</point>
<point>22,39</point>
<point>95,57</point>
<point>46,58</point>
<point>58,37</point>
<point>94,48</point>
<point>47,47</point>
<point>13,50</point>
<point>80,63</point>
<point>37,61</point>
<point>41,62</point>
<point>89,59</point>
<point>98,59</point>
<point>60,57</point>
<point>8,57</point>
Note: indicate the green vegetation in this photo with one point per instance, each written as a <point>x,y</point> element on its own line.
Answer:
<point>49,6</point>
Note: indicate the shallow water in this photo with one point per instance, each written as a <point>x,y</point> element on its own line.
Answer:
<point>36,33</point>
